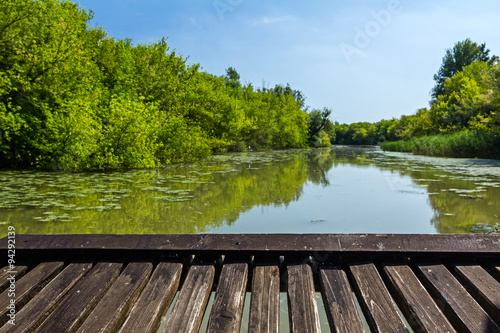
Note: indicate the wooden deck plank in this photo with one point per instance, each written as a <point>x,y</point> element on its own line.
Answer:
<point>484,286</point>
<point>423,313</point>
<point>380,309</point>
<point>466,314</point>
<point>266,243</point>
<point>192,300</point>
<point>227,309</point>
<point>303,309</point>
<point>6,272</point>
<point>33,313</point>
<point>496,272</point>
<point>484,248</point>
<point>74,309</point>
<point>111,311</point>
<point>265,300</point>
<point>28,286</point>
<point>153,303</point>
<point>340,306</point>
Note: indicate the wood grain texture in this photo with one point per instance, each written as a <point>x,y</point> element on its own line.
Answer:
<point>464,311</point>
<point>484,286</point>
<point>192,300</point>
<point>28,286</point>
<point>423,313</point>
<point>79,302</point>
<point>153,303</point>
<point>340,306</point>
<point>44,302</point>
<point>380,309</point>
<point>112,309</point>
<point>74,309</point>
<point>227,309</point>
<point>265,300</point>
<point>6,272</point>
<point>302,306</point>
<point>267,243</point>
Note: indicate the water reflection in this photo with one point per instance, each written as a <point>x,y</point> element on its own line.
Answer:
<point>337,190</point>
<point>464,194</point>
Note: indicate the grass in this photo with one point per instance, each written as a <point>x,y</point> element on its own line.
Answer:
<point>460,144</point>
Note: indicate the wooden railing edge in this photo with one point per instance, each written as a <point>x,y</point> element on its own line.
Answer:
<point>352,243</point>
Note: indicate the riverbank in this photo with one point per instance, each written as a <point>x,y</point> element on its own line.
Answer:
<point>465,144</point>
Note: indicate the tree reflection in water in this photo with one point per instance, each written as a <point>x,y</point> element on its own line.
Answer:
<point>212,195</point>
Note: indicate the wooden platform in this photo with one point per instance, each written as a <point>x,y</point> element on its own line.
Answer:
<point>135,283</point>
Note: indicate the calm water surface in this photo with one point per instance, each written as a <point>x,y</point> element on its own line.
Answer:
<point>332,190</point>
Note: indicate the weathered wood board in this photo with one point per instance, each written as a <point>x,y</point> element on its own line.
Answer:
<point>139,283</point>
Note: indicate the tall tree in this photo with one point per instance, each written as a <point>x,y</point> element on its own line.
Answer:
<point>462,54</point>
<point>232,78</point>
<point>318,122</point>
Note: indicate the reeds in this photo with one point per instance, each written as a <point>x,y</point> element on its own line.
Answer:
<point>459,144</point>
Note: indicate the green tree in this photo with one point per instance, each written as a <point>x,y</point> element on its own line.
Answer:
<point>462,54</point>
<point>232,78</point>
<point>72,97</point>
<point>464,98</point>
<point>130,136</point>
<point>421,124</point>
<point>48,83</point>
<point>494,120</point>
<point>318,122</point>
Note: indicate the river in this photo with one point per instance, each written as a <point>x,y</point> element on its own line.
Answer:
<point>332,190</point>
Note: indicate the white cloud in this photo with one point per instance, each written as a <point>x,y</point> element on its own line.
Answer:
<point>272,20</point>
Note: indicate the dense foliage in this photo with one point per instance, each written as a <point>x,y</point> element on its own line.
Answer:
<point>462,121</point>
<point>72,97</point>
<point>461,55</point>
<point>320,128</point>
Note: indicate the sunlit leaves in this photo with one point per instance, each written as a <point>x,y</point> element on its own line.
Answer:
<point>73,98</point>
<point>461,55</point>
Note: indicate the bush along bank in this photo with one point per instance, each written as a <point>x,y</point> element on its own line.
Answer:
<point>465,144</point>
<point>73,98</point>
<point>463,119</point>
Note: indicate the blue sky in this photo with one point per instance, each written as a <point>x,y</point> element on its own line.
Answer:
<point>366,60</point>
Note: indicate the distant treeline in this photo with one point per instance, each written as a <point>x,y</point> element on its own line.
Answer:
<point>463,119</point>
<point>72,97</point>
